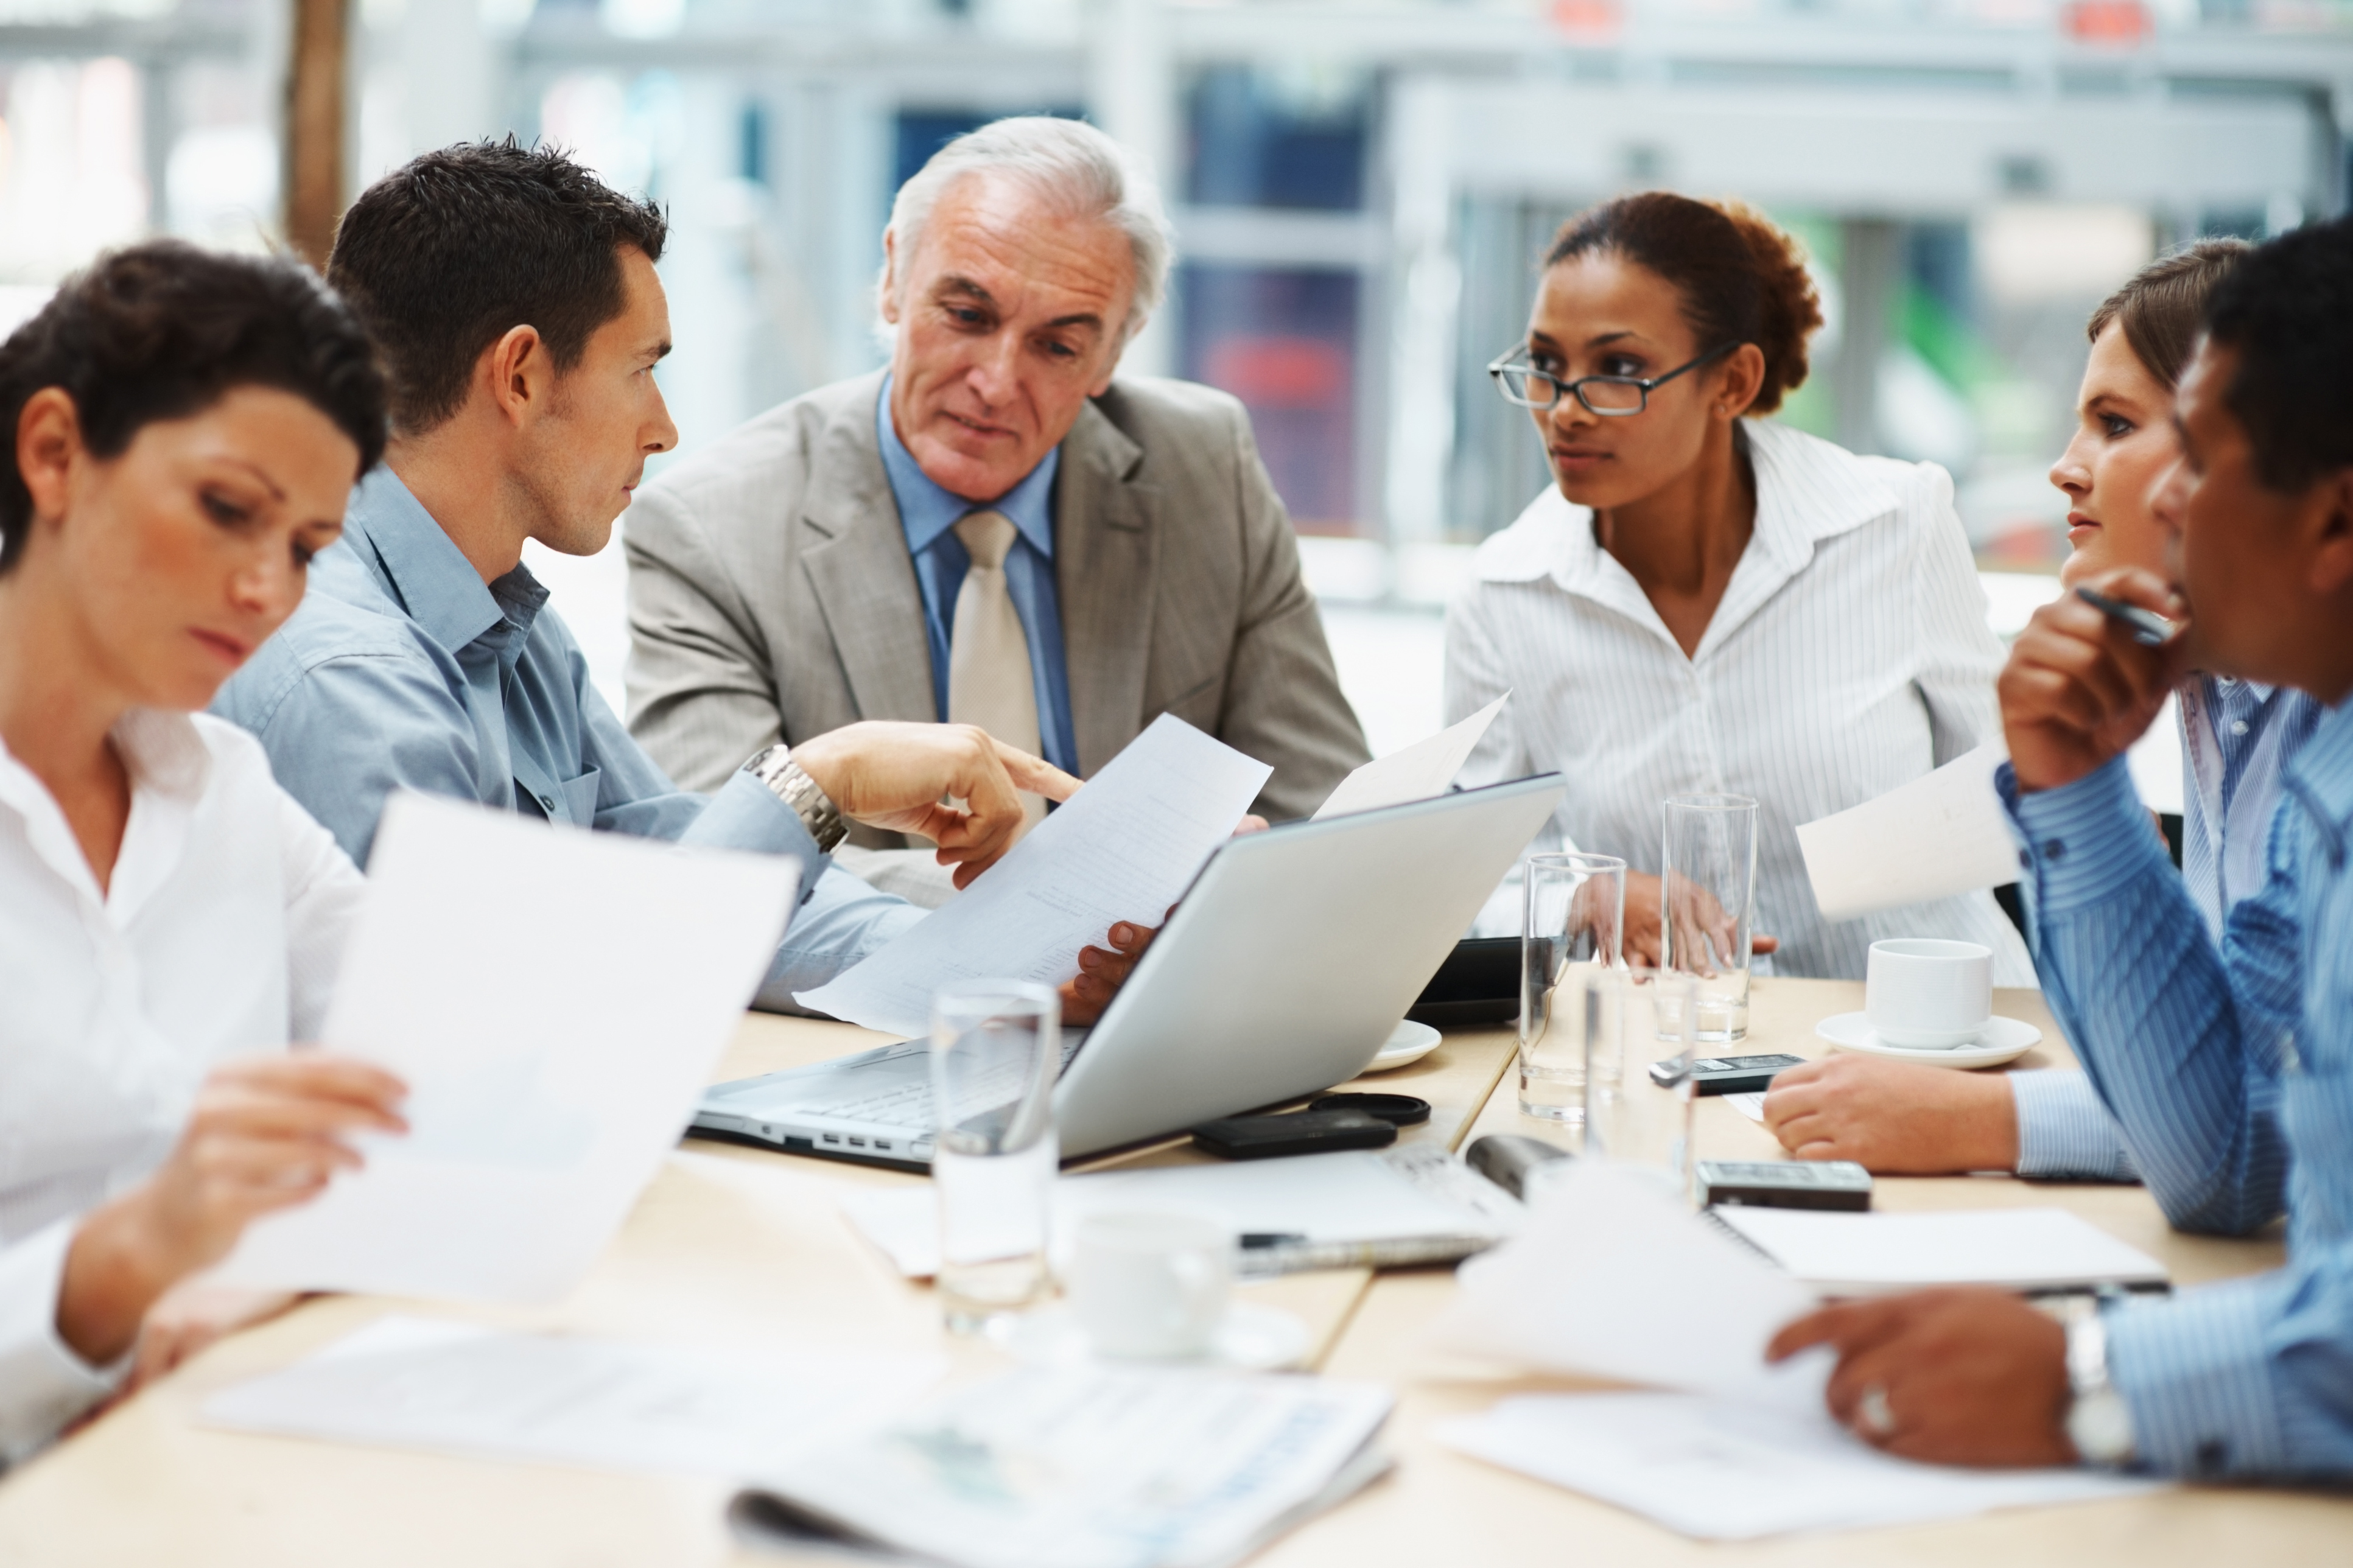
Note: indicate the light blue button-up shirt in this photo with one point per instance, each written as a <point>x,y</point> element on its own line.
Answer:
<point>403,670</point>
<point>929,515</point>
<point>2231,1071</point>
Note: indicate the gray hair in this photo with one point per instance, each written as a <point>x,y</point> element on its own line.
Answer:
<point>1067,161</point>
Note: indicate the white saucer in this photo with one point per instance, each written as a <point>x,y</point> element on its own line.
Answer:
<point>1253,1338</point>
<point>1407,1044</point>
<point>2003,1040</point>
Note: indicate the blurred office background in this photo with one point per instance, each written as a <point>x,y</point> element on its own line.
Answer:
<point>1362,188</point>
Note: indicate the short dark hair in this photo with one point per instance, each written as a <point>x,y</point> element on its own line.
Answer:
<point>2287,310</point>
<point>454,249</point>
<point>164,331</point>
<point>1742,279</point>
<point>2160,307</point>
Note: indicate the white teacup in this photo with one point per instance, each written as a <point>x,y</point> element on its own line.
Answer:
<point>1150,1286</point>
<point>1927,993</point>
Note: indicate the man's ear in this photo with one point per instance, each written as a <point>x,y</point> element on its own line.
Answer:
<point>2332,560</point>
<point>887,290</point>
<point>520,373</point>
<point>49,440</point>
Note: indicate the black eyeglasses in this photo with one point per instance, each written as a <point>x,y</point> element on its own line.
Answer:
<point>1611,396</point>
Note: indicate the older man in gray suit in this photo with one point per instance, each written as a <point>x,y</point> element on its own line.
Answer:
<point>994,530</point>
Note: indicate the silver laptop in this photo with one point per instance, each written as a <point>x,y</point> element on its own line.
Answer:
<point>1284,970</point>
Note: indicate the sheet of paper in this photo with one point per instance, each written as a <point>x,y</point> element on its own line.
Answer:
<point>1355,1195</point>
<point>1124,848</point>
<point>457,1388</point>
<point>1730,1470</point>
<point>1941,834</point>
<point>1414,773</point>
<point>1613,1277</point>
<point>1876,1254</point>
<point>1096,1467</point>
<point>556,1001</point>
<point>1752,1106</point>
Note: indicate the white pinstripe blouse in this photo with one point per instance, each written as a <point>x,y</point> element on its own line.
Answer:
<point>1850,655</point>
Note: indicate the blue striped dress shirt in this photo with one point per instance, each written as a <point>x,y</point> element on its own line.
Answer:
<point>2230,1071</point>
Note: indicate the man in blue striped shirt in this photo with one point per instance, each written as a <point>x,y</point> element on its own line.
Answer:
<point>2230,1070</point>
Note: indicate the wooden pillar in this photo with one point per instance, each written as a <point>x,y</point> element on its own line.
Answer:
<point>314,126</point>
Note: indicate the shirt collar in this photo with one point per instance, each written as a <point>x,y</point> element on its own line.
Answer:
<point>927,509</point>
<point>426,573</point>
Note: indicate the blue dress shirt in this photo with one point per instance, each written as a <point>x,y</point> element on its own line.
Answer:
<point>929,515</point>
<point>2237,740</point>
<point>2230,1071</point>
<point>403,670</point>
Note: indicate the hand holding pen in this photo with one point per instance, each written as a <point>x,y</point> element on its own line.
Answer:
<point>2089,674</point>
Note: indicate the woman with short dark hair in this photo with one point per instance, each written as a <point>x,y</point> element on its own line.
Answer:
<point>1709,602</point>
<point>184,430</point>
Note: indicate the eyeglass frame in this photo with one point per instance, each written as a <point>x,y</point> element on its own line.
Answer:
<point>1560,389</point>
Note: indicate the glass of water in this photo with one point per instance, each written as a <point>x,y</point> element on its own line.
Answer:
<point>1707,905</point>
<point>996,1050</point>
<point>1573,909</point>
<point>1644,1118</point>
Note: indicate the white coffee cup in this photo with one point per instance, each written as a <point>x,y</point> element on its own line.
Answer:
<point>1926,993</point>
<point>1150,1286</point>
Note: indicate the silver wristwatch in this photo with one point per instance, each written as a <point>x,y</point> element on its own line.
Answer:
<point>2098,1421</point>
<point>776,768</point>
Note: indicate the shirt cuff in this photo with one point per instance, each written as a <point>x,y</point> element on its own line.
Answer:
<point>746,815</point>
<point>2196,1373</point>
<point>2063,1130</point>
<point>2083,842</point>
<point>43,1383</point>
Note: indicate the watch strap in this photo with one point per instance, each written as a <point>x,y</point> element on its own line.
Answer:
<point>790,783</point>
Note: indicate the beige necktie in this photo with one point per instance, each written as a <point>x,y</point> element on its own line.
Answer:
<point>990,682</point>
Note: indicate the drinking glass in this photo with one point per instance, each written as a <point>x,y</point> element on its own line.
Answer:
<point>996,1048</point>
<point>1707,905</point>
<point>1644,1118</point>
<point>1573,910</point>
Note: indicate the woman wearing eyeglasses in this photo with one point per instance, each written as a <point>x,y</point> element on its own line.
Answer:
<point>1709,602</point>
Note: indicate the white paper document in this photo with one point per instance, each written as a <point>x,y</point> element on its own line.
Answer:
<point>457,1388</point>
<point>1090,1468</point>
<point>1413,772</point>
<point>1725,1468</point>
<point>1750,1105</point>
<point>1613,1277</point>
<point>556,1001</point>
<point>1878,1254</point>
<point>1355,1195</point>
<point>1124,848</point>
<point>1943,834</point>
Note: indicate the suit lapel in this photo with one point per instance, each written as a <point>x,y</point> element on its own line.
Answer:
<point>1106,538</point>
<point>855,553</point>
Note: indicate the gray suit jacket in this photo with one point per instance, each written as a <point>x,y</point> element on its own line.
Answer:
<point>772,595</point>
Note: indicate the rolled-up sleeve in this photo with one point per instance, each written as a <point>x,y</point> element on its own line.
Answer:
<point>43,1384</point>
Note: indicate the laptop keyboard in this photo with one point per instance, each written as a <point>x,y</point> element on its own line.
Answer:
<point>909,1104</point>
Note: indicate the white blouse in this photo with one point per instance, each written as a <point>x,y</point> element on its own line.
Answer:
<point>219,935</point>
<point>1850,655</point>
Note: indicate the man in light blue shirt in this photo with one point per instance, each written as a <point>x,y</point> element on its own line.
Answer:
<point>2230,1069</point>
<point>425,656</point>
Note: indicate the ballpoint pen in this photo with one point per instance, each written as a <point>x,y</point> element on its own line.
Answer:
<point>2148,628</point>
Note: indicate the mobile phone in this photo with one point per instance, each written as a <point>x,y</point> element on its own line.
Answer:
<point>1726,1075</point>
<point>1786,1184</point>
<point>1293,1133</point>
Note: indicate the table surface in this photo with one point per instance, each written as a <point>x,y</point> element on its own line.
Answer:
<point>734,1245</point>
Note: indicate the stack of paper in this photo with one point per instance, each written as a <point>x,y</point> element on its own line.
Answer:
<point>455,1388</point>
<point>1612,1276</point>
<point>1124,848</point>
<point>1879,1254</point>
<point>1356,1196</point>
<point>1725,1468</point>
<point>1089,1468</point>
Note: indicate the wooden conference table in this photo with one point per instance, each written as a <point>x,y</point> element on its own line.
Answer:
<point>734,1245</point>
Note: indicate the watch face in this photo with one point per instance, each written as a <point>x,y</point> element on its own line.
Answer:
<point>2100,1426</point>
